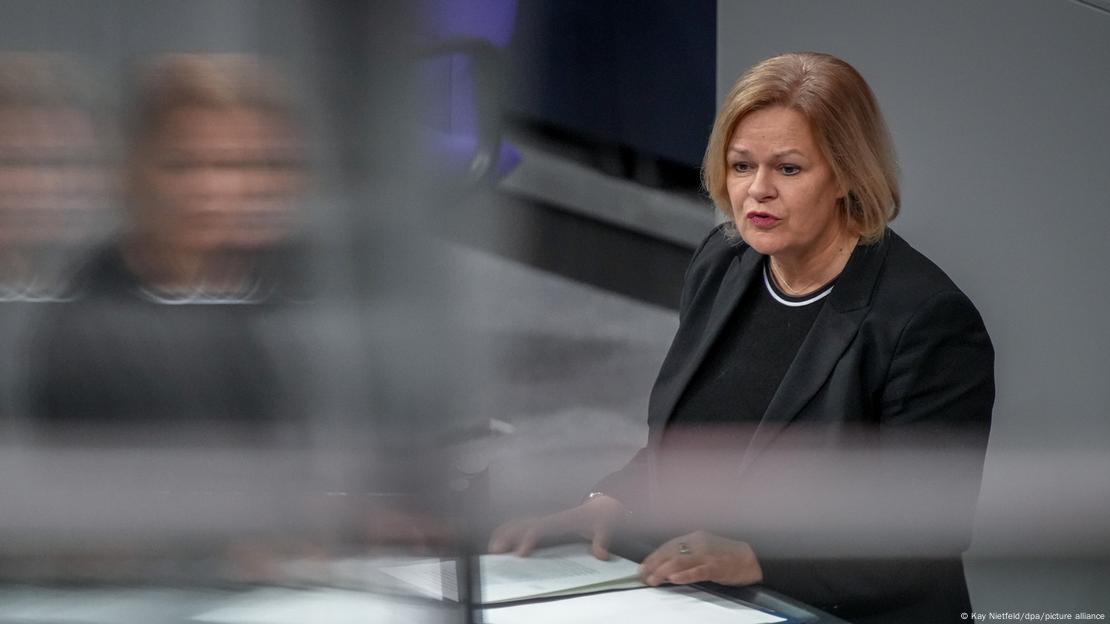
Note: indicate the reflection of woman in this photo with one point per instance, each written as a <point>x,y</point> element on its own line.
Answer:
<point>826,332</point>
<point>167,326</point>
<point>54,183</point>
<point>214,176</point>
<point>54,195</point>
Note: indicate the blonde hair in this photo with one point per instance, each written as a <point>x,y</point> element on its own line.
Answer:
<point>174,81</point>
<point>844,118</point>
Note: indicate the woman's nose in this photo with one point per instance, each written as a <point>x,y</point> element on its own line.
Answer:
<point>762,187</point>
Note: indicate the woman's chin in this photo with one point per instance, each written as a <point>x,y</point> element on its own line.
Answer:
<point>761,242</point>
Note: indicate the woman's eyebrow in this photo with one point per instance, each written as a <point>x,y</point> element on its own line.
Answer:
<point>787,152</point>
<point>779,154</point>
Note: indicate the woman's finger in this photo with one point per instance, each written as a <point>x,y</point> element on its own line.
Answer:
<point>659,555</point>
<point>502,539</point>
<point>697,574</point>
<point>528,540</point>
<point>670,567</point>
<point>600,545</point>
<point>508,536</point>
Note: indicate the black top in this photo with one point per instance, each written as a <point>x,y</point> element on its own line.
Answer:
<point>746,364</point>
<point>124,358</point>
<point>705,439</point>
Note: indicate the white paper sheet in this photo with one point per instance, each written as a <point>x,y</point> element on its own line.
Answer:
<point>570,568</point>
<point>649,605</point>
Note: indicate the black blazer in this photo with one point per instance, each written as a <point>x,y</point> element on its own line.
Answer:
<point>897,374</point>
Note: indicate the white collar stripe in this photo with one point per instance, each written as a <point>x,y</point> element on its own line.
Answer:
<point>786,302</point>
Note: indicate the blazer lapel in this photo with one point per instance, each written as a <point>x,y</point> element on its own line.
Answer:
<point>738,277</point>
<point>833,331</point>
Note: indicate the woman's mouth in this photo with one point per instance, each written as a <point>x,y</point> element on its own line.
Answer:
<point>763,220</point>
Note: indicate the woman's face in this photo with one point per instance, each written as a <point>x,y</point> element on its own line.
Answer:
<point>782,190</point>
<point>220,178</point>
<point>54,182</point>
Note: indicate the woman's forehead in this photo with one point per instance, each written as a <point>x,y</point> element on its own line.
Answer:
<point>775,131</point>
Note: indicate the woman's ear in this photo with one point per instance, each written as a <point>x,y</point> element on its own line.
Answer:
<point>843,193</point>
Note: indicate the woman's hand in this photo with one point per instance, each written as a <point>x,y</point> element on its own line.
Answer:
<point>699,557</point>
<point>595,519</point>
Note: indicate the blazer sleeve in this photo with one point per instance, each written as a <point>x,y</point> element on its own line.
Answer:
<point>937,397</point>
<point>943,368</point>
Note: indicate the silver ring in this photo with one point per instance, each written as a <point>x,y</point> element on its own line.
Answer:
<point>684,548</point>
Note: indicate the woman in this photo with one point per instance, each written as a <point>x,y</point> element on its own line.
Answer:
<point>54,180</point>
<point>825,374</point>
<point>169,321</point>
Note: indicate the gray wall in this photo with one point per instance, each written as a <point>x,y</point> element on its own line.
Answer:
<point>1000,111</point>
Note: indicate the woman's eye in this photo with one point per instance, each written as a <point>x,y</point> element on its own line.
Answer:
<point>741,167</point>
<point>790,169</point>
